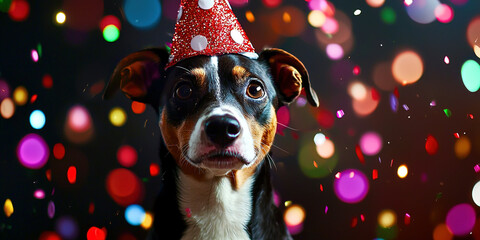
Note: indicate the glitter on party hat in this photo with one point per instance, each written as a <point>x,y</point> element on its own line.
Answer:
<point>208,27</point>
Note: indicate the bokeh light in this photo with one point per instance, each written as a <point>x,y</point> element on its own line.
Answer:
<point>37,119</point>
<point>47,81</point>
<point>326,149</point>
<point>67,227</point>
<point>320,5</point>
<point>476,193</point>
<point>32,151</point>
<point>95,233</point>
<point>461,219</point>
<point>388,15</point>
<point>470,72</point>
<point>34,55</point>
<point>144,15</point>
<point>441,232</point>
<point>476,50</point>
<point>431,145</point>
<point>39,194</point>
<point>51,209</point>
<point>4,90</point>
<point>383,76</point>
<point>7,108</point>
<point>83,15</point>
<point>127,156</point>
<point>19,10</point>
<point>459,2</point>
<point>351,186</point>
<point>59,151</point>
<point>8,207</point>
<point>366,106</point>
<point>444,13</point>
<point>387,218</point>
<point>117,116</point>
<point>316,18</point>
<point>111,33</point>
<point>124,187</point>
<point>60,17</point>
<point>110,20</point>
<point>334,51</point>
<point>330,26</point>
<point>422,11</point>
<point>271,3</point>
<point>402,171</point>
<point>294,215</point>
<point>78,119</point>
<point>238,3</point>
<point>72,174</point>
<point>5,5</point>
<point>462,147</point>
<point>154,169</point>
<point>310,162</point>
<point>375,3</point>
<point>283,118</point>
<point>134,214</point>
<point>147,221</point>
<point>249,16</point>
<point>473,31</point>
<point>20,95</point>
<point>407,67</point>
<point>319,139</point>
<point>49,235</point>
<point>138,107</point>
<point>371,143</point>
<point>288,21</point>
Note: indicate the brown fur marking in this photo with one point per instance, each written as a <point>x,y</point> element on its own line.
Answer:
<point>199,74</point>
<point>174,139</point>
<point>263,139</point>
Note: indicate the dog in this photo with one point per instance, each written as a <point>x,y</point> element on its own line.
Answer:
<point>217,116</point>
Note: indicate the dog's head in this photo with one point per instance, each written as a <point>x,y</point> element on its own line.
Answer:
<point>217,113</point>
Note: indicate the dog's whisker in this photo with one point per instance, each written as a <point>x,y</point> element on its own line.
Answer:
<point>283,125</point>
<point>279,148</point>
<point>183,68</point>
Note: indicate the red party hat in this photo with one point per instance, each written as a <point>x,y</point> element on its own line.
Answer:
<point>207,27</point>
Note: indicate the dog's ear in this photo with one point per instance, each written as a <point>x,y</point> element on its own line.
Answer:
<point>136,73</point>
<point>289,74</point>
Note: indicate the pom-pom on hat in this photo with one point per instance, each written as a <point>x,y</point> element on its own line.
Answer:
<point>208,27</point>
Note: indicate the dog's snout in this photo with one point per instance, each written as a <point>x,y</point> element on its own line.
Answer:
<point>222,130</point>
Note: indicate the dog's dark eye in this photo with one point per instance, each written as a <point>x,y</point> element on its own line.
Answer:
<point>183,91</point>
<point>255,90</point>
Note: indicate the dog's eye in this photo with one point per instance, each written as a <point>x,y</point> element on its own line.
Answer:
<point>255,90</point>
<point>183,91</point>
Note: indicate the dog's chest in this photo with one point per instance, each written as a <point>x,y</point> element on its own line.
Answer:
<point>213,210</point>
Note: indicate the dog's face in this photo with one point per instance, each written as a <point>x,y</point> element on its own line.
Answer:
<point>217,113</point>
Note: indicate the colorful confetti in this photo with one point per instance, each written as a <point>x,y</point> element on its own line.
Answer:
<point>79,155</point>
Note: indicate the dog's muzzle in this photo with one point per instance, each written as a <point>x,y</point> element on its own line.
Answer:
<point>222,130</point>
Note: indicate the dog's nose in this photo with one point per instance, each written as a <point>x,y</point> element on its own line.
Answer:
<point>222,130</point>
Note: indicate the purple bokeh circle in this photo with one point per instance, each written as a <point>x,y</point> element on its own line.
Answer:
<point>461,219</point>
<point>351,186</point>
<point>4,90</point>
<point>32,151</point>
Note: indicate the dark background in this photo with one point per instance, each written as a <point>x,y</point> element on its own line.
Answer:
<point>76,66</point>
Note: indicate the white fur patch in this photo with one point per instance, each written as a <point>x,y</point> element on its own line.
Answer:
<point>217,211</point>
<point>214,61</point>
